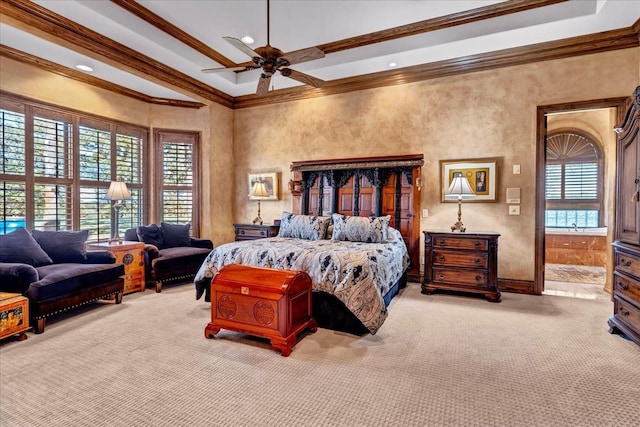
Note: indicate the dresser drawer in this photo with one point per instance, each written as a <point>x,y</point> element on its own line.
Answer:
<point>461,243</point>
<point>252,233</point>
<point>626,313</point>
<point>461,259</point>
<point>626,287</point>
<point>462,277</point>
<point>627,263</point>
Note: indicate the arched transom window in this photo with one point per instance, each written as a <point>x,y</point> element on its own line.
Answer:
<point>573,181</point>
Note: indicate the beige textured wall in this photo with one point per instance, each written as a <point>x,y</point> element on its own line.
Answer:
<point>214,122</point>
<point>483,114</point>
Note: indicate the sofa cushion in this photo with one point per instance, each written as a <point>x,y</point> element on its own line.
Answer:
<point>175,235</point>
<point>16,277</point>
<point>176,258</point>
<point>150,234</point>
<point>63,246</point>
<point>19,246</point>
<point>59,280</point>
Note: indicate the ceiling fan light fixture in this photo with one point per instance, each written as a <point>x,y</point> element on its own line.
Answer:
<point>248,40</point>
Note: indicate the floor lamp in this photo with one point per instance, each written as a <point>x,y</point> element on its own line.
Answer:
<point>259,191</point>
<point>117,192</point>
<point>460,189</point>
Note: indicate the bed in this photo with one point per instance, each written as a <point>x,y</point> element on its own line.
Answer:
<point>355,269</point>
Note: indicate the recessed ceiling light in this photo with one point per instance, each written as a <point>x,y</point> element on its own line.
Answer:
<point>392,64</point>
<point>247,40</point>
<point>83,67</point>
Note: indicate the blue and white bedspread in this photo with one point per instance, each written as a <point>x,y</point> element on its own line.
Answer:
<point>358,274</point>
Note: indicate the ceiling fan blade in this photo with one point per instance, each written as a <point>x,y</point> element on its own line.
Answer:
<point>302,77</point>
<point>217,70</point>
<point>303,55</point>
<point>243,47</point>
<point>263,84</point>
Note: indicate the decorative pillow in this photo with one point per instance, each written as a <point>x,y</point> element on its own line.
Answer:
<point>20,247</point>
<point>175,235</point>
<point>308,227</point>
<point>63,246</point>
<point>360,228</point>
<point>151,235</point>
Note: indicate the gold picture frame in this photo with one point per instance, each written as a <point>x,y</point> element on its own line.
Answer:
<point>481,173</point>
<point>270,180</point>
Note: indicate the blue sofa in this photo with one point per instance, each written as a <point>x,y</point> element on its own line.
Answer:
<point>56,273</point>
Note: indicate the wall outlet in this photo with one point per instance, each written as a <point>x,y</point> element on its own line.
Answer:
<point>514,210</point>
<point>425,213</point>
<point>516,169</point>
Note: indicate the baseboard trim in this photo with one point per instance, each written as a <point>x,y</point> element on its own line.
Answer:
<point>516,286</point>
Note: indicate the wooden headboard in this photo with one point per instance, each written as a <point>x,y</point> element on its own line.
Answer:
<point>369,186</point>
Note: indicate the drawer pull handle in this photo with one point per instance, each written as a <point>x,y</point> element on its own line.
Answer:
<point>623,286</point>
<point>241,231</point>
<point>477,244</point>
<point>440,276</point>
<point>624,262</point>
<point>478,278</point>
<point>623,311</point>
<point>441,258</point>
<point>442,241</point>
<point>477,260</point>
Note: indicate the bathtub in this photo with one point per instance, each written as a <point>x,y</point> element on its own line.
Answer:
<point>586,246</point>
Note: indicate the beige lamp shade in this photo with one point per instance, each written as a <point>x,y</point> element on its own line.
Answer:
<point>259,189</point>
<point>118,191</point>
<point>460,188</point>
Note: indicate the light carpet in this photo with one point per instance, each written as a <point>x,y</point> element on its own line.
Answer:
<point>438,360</point>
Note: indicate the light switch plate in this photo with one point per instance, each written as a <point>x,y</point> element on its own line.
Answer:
<point>514,210</point>
<point>516,169</point>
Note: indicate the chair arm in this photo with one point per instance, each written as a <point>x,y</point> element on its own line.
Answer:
<point>16,277</point>
<point>201,243</point>
<point>100,257</point>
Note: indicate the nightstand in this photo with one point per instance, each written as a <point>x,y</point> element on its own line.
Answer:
<point>465,262</point>
<point>254,231</point>
<point>131,254</point>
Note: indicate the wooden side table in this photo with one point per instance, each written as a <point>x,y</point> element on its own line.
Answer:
<point>466,262</point>
<point>253,231</point>
<point>131,254</point>
<point>14,315</point>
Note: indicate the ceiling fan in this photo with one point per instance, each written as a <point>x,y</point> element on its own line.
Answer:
<point>271,59</point>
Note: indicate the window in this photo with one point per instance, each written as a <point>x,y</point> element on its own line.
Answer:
<point>178,176</point>
<point>573,181</point>
<point>57,167</point>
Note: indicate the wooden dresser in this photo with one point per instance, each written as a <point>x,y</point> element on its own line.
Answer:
<point>626,248</point>
<point>255,231</point>
<point>466,262</point>
<point>131,254</point>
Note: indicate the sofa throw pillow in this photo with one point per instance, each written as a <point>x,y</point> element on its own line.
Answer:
<point>63,246</point>
<point>19,246</point>
<point>308,227</point>
<point>151,235</point>
<point>175,235</point>
<point>360,228</point>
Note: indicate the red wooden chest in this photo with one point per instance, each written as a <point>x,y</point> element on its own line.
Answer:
<point>273,304</point>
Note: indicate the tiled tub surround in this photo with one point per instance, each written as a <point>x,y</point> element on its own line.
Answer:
<point>582,247</point>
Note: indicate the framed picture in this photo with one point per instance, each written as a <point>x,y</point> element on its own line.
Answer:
<point>270,180</point>
<point>481,174</point>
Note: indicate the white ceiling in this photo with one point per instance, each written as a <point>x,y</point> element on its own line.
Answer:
<point>305,23</point>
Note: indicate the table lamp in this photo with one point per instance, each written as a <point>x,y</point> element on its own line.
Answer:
<point>459,188</point>
<point>259,191</point>
<point>117,192</point>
